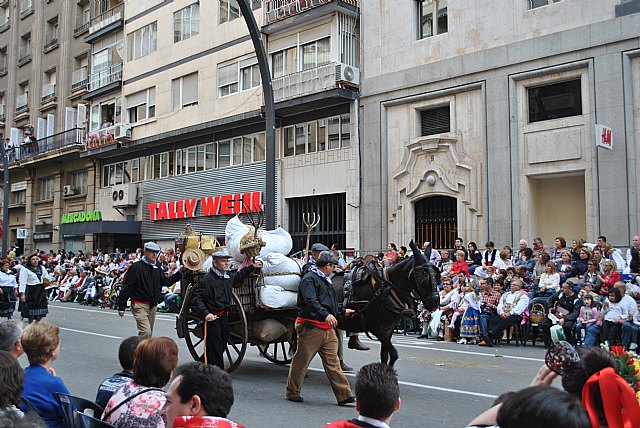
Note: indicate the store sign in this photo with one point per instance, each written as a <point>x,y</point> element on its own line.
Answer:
<point>19,186</point>
<point>82,217</point>
<point>21,233</point>
<point>41,236</point>
<point>205,207</point>
<point>604,137</point>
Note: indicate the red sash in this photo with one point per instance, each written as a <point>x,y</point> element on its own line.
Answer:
<point>204,422</point>
<point>320,324</point>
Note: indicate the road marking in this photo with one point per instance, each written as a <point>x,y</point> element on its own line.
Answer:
<point>420,385</point>
<point>110,312</point>
<point>456,351</point>
<point>92,334</point>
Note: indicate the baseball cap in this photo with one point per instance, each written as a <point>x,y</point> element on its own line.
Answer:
<point>325,258</point>
<point>152,246</point>
<point>319,247</point>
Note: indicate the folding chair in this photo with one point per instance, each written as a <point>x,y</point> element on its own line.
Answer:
<point>86,421</point>
<point>69,404</point>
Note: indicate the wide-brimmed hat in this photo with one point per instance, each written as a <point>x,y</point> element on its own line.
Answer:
<point>193,258</point>
<point>221,254</point>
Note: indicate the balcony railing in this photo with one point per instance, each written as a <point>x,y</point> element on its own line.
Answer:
<point>48,92</point>
<point>26,8</point>
<point>24,55</point>
<point>82,24</point>
<point>22,103</point>
<point>106,18</point>
<point>276,10</point>
<point>5,26</point>
<point>79,79</point>
<point>104,77</point>
<point>105,136</point>
<point>25,150</point>
<point>50,40</point>
<point>305,82</point>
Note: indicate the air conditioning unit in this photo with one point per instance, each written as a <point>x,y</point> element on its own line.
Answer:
<point>123,131</point>
<point>69,191</point>
<point>347,74</point>
<point>124,195</point>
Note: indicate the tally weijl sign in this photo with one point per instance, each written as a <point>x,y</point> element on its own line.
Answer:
<point>209,206</point>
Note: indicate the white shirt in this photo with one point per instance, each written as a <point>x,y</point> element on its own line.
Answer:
<point>551,282</point>
<point>510,297</point>
<point>629,304</point>
<point>29,278</point>
<point>7,280</point>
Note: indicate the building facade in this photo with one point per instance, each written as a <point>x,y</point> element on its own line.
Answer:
<point>480,120</point>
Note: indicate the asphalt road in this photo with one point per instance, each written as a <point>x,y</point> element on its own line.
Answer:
<point>442,384</point>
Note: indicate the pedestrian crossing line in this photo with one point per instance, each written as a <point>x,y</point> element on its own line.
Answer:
<point>423,386</point>
<point>109,312</point>
<point>91,333</point>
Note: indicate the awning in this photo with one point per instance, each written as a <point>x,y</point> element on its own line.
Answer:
<point>111,227</point>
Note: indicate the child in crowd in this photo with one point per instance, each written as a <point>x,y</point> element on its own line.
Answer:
<point>463,290</point>
<point>588,314</point>
<point>470,328</point>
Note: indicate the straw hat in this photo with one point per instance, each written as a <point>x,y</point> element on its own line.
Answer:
<point>193,258</point>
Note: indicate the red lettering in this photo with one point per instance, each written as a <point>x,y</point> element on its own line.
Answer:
<point>190,207</point>
<point>237,204</point>
<point>226,204</point>
<point>210,205</point>
<point>256,201</point>
<point>246,203</point>
<point>171,208</point>
<point>153,209</point>
<point>180,209</point>
<point>162,211</point>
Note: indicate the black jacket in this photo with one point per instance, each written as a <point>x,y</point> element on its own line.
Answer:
<point>316,298</point>
<point>571,303</point>
<point>214,292</point>
<point>144,283</point>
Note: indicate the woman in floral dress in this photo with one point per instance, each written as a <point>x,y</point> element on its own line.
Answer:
<point>139,403</point>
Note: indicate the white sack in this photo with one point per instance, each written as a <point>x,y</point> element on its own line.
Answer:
<point>282,271</point>
<point>268,330</point>
<point>277,297</point>
<point>278,240</point>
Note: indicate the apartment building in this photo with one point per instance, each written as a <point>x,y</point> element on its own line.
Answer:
<point>41,118</point>
<point>176,125</point>
<point>480,120</point>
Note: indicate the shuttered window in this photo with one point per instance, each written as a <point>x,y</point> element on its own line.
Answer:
<point>332,210</point>
<point>435,121</point>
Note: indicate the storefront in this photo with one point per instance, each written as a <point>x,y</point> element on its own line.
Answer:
<point>106,234</point>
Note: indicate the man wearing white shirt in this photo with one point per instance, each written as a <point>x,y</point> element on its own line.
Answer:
<point>632,307</point>
<point>510,309</point>
<point>633,257</point>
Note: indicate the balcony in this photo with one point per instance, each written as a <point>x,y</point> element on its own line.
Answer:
<point>24,55</point>
<point>82,24</point>
<point>46,145</point>
<point>22,103</point>
<point>5,26</point>
<point>107,136</point>
<point>106,22</point>
<point>318,79</point>
<point>107,79</point>
<point>79,79</point>
<point>48,92</point>
<point>50,40</point>
<point>278,10</point>
<point>26,8</point>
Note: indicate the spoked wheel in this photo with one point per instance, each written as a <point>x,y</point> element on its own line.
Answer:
<point>280,352</point>
<point>191,328</point>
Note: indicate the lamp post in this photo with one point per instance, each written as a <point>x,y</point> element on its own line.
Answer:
<point>5,203</point>
<point>269,110</point>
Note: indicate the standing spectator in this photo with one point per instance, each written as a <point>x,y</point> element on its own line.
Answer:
<point>470,326</point>
<point>316,249</point>
<point>10,333</point>
<point>340,257</point>
<point>213,300</point>
<point>317,311</point>
<point>126,353</point>
<point>32,289</point>
<point>377,397</point>
<point>41,343</point>
<point>139,402</point>
<point>143,284</point>
<point>633,256</point>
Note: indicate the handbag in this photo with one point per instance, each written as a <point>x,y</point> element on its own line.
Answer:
<point>562,311</point>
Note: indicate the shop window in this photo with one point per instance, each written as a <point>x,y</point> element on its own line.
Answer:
<point>555,101</point>
<point>435,121</point>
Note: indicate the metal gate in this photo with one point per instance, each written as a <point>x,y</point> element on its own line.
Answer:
<point>437,221</point>
<point>333,220</point>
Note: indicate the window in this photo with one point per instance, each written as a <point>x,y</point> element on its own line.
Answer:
<point>165,164</point>
<point>555,101</point>
<point>79,181</point>
<point>141,105</point>
<point>435,121</point>
<point>224,153</point>
<point>316,53</point>
<point>25,47</point>
<point>186,22</point>
<point>259,147</point>
<point>229,9</point>
<point>250,77</point>
<point>46,188</point>
<point>19,198</point>
<point>51,36</point>
<point>314,136</point>
<point>227,80</point>
<point>284,62</point>
<point>142,41</point>
<point>185,91</point>
<point>427,25</point>
<point>106,114</point>
<point>117,173</point>
<point>539,3</point>
<point>49,85</point>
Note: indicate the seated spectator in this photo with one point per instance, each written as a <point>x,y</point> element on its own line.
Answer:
<point>541,263</point>
<point>402,254</point>
<point>564,267</point>
<point>489,303</point>
<point>11,379</point>
<point>511,308</point>
<point>199,390</point>
<point>503,261</point>
<point>609,278</point>
<point>526,277</point>
<point>391,256</point>
<point>597,256</point>
<point>549,282</point>
<point>591,276</point>
<point>565,307</point>
<point>474,257</point>
<point>460,265</point>
<point>10,333</point>
<point>560,247</point>
<point>580,266</point>
<point>126,354</point>
<point>588,315</point>
<point>154,360</point>
<point>377,397</point>
<point>576,246</point>
<point>526,260</point>
<point>630,338</point>
<point>449,300</point>
<point>445,263</point>
<point>633,257</point>
<point>615,314</point>
<point>41,343</point>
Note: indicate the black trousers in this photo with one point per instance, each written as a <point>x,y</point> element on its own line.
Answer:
<point>501,324</point>
<point>610,332</point>
<point>217,338</point>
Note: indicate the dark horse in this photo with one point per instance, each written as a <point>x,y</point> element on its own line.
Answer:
<point>413,276</point>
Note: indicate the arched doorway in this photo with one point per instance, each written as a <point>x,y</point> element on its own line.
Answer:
<point>436,221</point>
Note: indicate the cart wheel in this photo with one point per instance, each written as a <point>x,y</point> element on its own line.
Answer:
<point>279,352</point>
<point>193,330</point>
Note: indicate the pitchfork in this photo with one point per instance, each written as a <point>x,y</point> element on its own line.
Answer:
<point>311,222</point>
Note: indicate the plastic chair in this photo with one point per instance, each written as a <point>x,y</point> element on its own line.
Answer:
<point>86,421</point>
<point>70,404</point>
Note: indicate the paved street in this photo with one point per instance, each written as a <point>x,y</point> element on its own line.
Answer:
<point>442,384</point>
